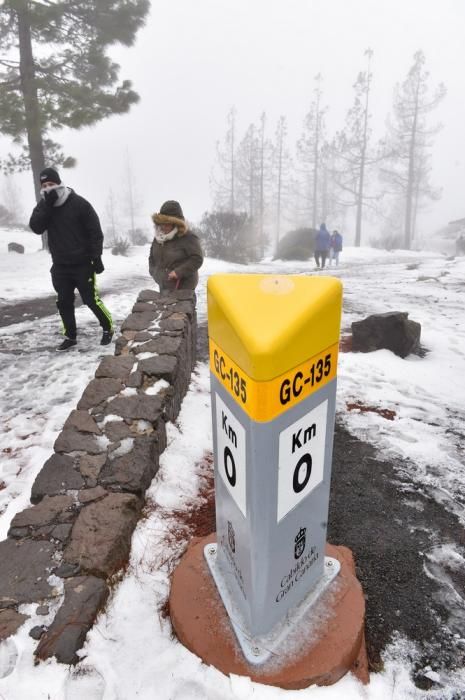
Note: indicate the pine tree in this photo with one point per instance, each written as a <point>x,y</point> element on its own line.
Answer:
<point>223,184</point>
<point>330,204</point>
<point>248,172</point>
<point>55,73</point>
<point>309,148</point>
<point>281,174</point>
<point>409,142</point>
<point>352,149</point>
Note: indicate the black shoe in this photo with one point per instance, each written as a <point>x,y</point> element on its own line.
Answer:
<point>67,344</point>
<point>106,337</point>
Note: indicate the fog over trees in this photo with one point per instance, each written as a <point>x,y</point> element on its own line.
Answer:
<point>339,176</point>
<point>291,132</point>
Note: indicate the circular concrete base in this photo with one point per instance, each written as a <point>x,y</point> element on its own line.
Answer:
<point>202,625</point>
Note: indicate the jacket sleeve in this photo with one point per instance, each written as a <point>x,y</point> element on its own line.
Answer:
<point>40,217</point>
<point>194,256</point>
<point>152,262</point>
<point>91,224</point>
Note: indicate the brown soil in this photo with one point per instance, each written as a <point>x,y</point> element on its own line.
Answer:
<point>383,412</point>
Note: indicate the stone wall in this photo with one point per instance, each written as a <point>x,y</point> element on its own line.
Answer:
<point>88,496</point>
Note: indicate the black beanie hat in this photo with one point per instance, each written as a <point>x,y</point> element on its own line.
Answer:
<point>50,175</point>
<point>172,208</point>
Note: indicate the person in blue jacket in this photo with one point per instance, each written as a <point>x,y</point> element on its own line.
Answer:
<point>322,243</point>
<point>335,247</point>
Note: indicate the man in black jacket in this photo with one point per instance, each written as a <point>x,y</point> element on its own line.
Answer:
<point>75,240</point>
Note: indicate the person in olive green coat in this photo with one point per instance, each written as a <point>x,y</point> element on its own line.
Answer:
<point>176,254</point>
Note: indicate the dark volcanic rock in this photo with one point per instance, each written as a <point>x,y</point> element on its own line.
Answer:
<point>61,532</point>
<point>37,631</point>
<point>101,536</point>
<point>120,345</point>
<point>172,324</point>
<point>162,367</point>
<point>97,391</point>
<point>81,421</point>
<point>140,407</point>
<point>392,331</point>
<point>116,430</point>
<point>25,567</point>
<point>149,295</point>
<point>50,511</point>
<point>185,307</point>
<point>143,306</point>
<point>139,321</point>
<point>143,335</point>
<point>135,470</point>
<point>10,622</point>
<point>84,597</point>
<point>162,345</point>
<point>71,440</point>
<point>89,495</point>
<point>136,379</point>
<point>90,465</point>
<point>56,477</point>
<point>115,367</point>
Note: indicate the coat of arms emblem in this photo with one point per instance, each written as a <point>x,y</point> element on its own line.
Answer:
<point>231,537</point>
<point>299,543</point>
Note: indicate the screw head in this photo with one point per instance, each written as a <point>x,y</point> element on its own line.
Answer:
<point>256,651</point>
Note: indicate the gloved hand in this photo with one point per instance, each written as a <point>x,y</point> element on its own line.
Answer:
<point>98,265</point>
<point>50,197</point>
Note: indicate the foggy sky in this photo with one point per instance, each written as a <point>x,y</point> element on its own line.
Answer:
<point>195,59</point>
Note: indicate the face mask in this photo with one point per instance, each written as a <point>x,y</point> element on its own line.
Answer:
<point>161,237</point>
<point>49,188</point>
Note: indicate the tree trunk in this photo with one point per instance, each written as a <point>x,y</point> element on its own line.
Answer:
<point>232,197</point>
<point>31,101</point>
<point>363,157</point>
<point>280,171</point>
<point>316,151</point>
<point>411,175</point>
<point>261,192</point>
<point>315,165</point>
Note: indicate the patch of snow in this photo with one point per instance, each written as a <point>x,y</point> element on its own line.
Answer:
<point>157,387</point>
<point>124,448</point>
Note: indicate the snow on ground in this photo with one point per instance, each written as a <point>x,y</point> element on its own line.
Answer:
<point>129,653</point>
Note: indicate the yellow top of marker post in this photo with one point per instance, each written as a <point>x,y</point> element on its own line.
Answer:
<point>269,324</point>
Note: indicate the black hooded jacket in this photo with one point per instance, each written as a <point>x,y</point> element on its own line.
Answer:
<point>74,233</point>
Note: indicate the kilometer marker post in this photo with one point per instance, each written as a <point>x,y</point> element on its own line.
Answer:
<point>273,344</point>
<point>273,359</point>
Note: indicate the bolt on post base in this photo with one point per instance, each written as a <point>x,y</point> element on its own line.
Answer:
<point>258,649</point>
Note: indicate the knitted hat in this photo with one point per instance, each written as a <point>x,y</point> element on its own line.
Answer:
<point>49,175</point>
<point>171,213</point>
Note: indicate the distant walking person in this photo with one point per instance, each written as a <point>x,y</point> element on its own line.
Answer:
<point>335,247</point>
<point>176,254</point>
<point>322,241</point>
<point>75,240</point>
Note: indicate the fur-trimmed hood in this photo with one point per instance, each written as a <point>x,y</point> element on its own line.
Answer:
<point>180,224</point>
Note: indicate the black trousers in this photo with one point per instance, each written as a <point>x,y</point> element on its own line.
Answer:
<point>66,279</point>
<point>320,257</point>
